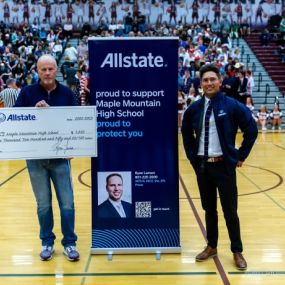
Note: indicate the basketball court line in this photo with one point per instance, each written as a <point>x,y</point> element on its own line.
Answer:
<point>12,176</point>
<point>216,259</point>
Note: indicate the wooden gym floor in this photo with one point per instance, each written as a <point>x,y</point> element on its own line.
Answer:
<point>261,210</point>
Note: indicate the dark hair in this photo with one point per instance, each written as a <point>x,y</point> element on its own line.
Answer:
<point>111,175</point>
<point>209,67</point>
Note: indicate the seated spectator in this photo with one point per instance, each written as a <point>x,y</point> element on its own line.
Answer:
<point>35,76</point>
<point>244,28</point>
<point>262,116</point>
<point>67,28</point>
<point>276,117</point>
<point>28,80</point>
<point>42,34</point>
<point>66,63</point>
<point>57,50</point>
<point>281,51</point>
<point>216,27</point>
<point>5,72</point>
<point>71,53</point>
<point>225,25</point>
<point>86,30</point>
<point>265,37</point>
<point>234,30</point>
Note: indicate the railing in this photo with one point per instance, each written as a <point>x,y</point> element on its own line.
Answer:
<point>247,60</point>
<point>267,91</point>
<point>242,53</point>
<point>259,81</point>
<point>253,67</point>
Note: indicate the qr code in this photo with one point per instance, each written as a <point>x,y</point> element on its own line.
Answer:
<point>143,209</point>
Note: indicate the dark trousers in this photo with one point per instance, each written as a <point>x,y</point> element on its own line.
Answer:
<point>213,176</point>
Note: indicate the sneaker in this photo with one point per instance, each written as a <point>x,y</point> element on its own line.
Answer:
<point>71,253</point>
<point>279,128</point>
<point>46,253</point>
<point>264,128</point>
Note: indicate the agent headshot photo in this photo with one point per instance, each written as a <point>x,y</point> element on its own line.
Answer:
<point>114,206</point>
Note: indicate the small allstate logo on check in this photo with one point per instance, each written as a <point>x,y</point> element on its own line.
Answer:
<point>2,118</point>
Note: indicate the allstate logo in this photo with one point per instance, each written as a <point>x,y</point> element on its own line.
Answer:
<point>2,118</point>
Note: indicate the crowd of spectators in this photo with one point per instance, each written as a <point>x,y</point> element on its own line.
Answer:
<point>199,43</point>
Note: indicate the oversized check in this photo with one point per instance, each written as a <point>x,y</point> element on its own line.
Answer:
<point>53,132</point>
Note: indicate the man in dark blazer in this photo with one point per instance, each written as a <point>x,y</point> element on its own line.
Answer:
<point>209,129</point>
<point>114,207</point>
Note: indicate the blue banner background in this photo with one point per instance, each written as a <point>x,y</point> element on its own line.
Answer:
<point>152,156</point>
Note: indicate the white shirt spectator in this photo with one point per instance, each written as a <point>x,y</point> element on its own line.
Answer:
<point>71,53</point>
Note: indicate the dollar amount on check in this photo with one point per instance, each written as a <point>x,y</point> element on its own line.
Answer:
<point>54,132</point>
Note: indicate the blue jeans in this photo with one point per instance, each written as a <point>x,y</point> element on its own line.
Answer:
<point>42,172</point>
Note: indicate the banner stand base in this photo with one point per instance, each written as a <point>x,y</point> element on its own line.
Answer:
<point>110,252</point>
<point>147,250</point>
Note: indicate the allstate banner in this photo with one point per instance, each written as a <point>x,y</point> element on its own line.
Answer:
<point>135,203</point>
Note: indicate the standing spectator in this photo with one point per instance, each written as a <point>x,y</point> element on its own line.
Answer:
<point>128,23</point>
<point>186,82</point>
<point>242,87</point>
<point>9,95</point>
<point>82,50</point>
<point>70,76</point>
<point>82,90</point>
<point>181,108</point>
<point>249,104</point>
<point>250,82</point>
<point>47,93</point>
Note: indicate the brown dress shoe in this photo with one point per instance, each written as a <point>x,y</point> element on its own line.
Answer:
<point>240,262</point>
<point>207,253</point>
